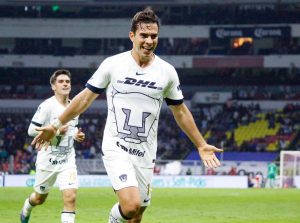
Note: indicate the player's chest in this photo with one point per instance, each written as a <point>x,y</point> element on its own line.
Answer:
<point>147,82</point>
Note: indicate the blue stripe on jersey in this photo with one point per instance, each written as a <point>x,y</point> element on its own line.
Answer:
<point>37,124</point>
<point>95,89</point>
<point>173,102</point>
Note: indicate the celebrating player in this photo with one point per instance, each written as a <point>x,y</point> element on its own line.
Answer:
<point>57,162</point>
<point>136,84</point>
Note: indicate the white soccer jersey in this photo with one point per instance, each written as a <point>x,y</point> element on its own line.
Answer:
<point>134,99</point>
<point>60,154</point>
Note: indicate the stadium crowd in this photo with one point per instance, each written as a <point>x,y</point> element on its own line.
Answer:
<point>245,84</point>
<point>172,143</point>
<point>174,46</point>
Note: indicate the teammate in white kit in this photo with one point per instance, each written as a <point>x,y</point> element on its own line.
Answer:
<point>57,162</point>
<point>136,84</point>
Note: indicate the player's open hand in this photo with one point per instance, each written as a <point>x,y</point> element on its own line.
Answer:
<point>46,133</point>
<point>207,154</point>
<point>79,136</point>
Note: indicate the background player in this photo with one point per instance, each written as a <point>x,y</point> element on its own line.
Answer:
<point>272,174</point>
<point>58,161</point>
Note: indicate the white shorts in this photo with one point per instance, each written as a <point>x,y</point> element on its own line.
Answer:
<point>66,179</point>
<point>123,173</point>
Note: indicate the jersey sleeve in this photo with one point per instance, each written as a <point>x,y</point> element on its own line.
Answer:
<point>100,79</point>
<point>173,93</point>
<point>38,119</point>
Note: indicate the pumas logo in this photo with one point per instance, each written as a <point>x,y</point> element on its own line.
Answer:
<point>141,83</point>
<point>123,177</point>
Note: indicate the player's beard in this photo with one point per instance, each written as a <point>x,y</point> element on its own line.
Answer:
<point>146,55</point>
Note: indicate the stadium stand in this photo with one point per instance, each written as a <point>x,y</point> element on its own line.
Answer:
<point>178,13</point>
<point>240,73</point>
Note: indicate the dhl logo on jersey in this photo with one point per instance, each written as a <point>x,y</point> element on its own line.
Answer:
<point>141,83</point>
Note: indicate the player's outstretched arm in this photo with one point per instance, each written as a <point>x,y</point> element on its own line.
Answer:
<point>186,122</point>
<point>78,105</point>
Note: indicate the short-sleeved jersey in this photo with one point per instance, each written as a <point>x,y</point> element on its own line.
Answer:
<point>134,99</point>
<point>60,154</point>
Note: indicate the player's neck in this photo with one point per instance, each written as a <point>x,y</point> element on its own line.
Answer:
<point>62,99</point>
<point>143,61</point>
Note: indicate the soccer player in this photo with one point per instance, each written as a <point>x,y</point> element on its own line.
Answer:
<point>136,84</point>
<point>272,174</point>
<point>57,162</point>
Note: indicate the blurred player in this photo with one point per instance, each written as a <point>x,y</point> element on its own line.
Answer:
<point>272,174</point>
<point>57,162</point>
<point>136,84</point>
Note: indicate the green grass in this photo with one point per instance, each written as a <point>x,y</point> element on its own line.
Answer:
<point>168,206</point>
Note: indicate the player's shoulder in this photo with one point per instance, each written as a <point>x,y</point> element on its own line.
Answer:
<point>164,64</point>
<point>48,102</point>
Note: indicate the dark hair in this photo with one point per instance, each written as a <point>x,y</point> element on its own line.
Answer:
<point>57,73</point>
<point>145,16</point>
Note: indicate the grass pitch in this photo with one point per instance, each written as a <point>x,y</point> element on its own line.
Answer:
<point>168,206</point>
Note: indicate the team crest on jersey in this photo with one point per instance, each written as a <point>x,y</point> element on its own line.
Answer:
<point>123,177</point>
<point>134,122</point>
